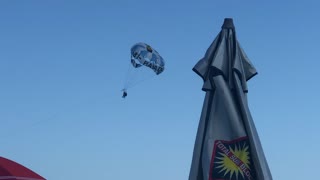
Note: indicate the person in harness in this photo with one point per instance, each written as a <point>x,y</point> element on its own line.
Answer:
<point>124,94</point>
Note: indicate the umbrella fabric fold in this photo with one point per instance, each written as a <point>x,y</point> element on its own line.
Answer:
<point>227,144</point>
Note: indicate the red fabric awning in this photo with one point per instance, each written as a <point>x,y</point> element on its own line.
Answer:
<point>10,170</point>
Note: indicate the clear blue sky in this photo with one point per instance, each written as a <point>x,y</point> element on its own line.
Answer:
<point>63,64</point>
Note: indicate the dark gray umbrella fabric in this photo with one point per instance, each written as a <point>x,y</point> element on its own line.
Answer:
<point>227,145</point>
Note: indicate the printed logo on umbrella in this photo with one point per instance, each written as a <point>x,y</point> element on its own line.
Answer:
<point>231,160</point>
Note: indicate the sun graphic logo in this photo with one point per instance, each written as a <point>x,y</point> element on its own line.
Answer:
<point>231,160</point>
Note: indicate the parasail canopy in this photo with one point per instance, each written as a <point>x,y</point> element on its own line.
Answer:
<point>143,55</point>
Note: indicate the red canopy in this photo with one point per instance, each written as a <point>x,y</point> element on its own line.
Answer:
<point>10,170</point>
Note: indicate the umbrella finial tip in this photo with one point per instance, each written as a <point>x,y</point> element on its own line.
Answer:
<point>228,23</point>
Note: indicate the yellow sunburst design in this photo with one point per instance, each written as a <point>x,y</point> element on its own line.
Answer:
<point>227,165</point>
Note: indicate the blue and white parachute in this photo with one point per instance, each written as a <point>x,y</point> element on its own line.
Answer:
<point>144,55</point>
<point>145,63</point>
